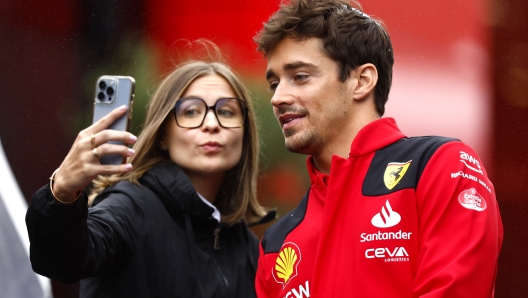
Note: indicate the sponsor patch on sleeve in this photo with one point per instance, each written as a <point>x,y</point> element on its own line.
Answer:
<point>472,200</point>
<point>470,162</point>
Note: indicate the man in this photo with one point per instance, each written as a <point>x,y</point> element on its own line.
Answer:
<point>385,215</point>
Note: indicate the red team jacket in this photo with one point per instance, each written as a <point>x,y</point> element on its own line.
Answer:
<point>401,217</point>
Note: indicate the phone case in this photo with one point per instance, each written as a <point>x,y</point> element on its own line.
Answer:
<point>112,92</point>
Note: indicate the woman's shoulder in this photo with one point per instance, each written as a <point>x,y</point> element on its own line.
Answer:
<point>124,191</point>
<point>239,232</point>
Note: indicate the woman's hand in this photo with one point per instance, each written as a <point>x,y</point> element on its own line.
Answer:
<point>82,165</point>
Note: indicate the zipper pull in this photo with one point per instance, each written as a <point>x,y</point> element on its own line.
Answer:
<point>216,245</point>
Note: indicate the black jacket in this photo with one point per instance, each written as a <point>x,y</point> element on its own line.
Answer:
<point>153,240</point>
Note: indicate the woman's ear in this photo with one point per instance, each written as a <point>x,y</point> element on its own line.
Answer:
<point>367,78</point>
<point>162,135</point>
<point>163,145</point>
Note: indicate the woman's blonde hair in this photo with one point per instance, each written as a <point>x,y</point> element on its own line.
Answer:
<point>237,198</point>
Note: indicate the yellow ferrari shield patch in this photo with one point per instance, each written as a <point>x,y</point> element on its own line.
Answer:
<point>394,173</point>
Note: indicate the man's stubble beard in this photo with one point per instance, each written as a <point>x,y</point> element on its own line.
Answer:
<point>301,142</point>
<point>305,142</point>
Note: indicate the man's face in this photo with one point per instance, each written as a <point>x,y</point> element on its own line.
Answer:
<point>309,101</point>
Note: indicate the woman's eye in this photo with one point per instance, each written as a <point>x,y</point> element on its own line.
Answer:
<point>225,113</point>
<point>191,113</point>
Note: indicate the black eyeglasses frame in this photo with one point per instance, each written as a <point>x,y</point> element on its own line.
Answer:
<point>245,111</point>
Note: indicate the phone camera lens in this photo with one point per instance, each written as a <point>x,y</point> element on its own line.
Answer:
<point>102,84</point>
<point>110,91</point>
<point>101,95</point>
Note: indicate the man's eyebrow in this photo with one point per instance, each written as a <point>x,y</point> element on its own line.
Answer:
<point>297,64</point>
<point>269,74</point>
<point>289,66</point>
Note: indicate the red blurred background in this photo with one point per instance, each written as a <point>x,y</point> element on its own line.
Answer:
<point>461,70</point>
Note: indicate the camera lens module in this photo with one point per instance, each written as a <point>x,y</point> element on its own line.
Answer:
<point>102,84</point>
<point>101,95</point>
<point>110,91</point>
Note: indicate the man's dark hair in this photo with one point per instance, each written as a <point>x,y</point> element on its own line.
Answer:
<point>350,37</point>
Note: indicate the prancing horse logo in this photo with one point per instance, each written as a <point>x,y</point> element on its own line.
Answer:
<point>394,173</point>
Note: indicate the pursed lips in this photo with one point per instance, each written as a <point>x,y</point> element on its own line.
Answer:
<point>211,146</point>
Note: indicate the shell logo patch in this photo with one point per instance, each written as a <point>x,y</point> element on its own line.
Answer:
<point>472,200</point>
<point>285,267</point>
<point>394,173</point>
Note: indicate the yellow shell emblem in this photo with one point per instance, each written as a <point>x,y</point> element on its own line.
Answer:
<point>286,264</point>
<point>394,173</point>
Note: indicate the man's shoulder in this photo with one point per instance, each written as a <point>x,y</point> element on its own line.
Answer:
<point>420,148</point>
<point>401,164</point>
<point>422,143</point>
<point>276,234</point>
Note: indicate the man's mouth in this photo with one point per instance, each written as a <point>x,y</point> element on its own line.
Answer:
<point>288,120</point>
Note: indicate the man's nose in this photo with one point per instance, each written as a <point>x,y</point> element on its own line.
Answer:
<point>282,96</point>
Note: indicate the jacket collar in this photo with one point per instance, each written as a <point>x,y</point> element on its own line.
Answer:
<point>374,136</point>
<point>175,190</point>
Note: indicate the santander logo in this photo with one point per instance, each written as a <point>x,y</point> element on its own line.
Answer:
<point>386,218</point>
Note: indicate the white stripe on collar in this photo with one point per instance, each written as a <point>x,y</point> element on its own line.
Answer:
<point>216,213</point>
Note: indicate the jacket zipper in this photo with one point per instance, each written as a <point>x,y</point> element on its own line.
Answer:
<point>216,244</point>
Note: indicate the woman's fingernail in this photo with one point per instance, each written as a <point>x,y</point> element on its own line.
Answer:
<point>133,138</point>
<point>127,167</point>
<point>122,108</point>
<point>131,152</point>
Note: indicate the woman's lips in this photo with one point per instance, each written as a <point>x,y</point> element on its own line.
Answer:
<point>211,146</point>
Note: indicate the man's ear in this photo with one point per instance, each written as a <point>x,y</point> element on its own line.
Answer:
<point>366,76</point>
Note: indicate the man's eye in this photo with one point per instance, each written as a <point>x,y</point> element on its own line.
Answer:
<point>273,86</point>
<point>300,77</point>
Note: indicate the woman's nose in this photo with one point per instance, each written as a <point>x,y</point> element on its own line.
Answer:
<point>210,121</point>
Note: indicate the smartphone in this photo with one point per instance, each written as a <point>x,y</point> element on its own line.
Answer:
<point>112,92</point>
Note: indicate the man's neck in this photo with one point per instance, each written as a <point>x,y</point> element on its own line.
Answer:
<point>340,144</point>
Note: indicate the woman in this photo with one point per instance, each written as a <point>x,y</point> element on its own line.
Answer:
<point>173,221</point>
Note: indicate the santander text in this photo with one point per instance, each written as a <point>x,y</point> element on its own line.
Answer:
<point>385,236</point>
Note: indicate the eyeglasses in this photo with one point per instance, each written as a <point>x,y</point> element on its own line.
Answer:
<point>191,112</point>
